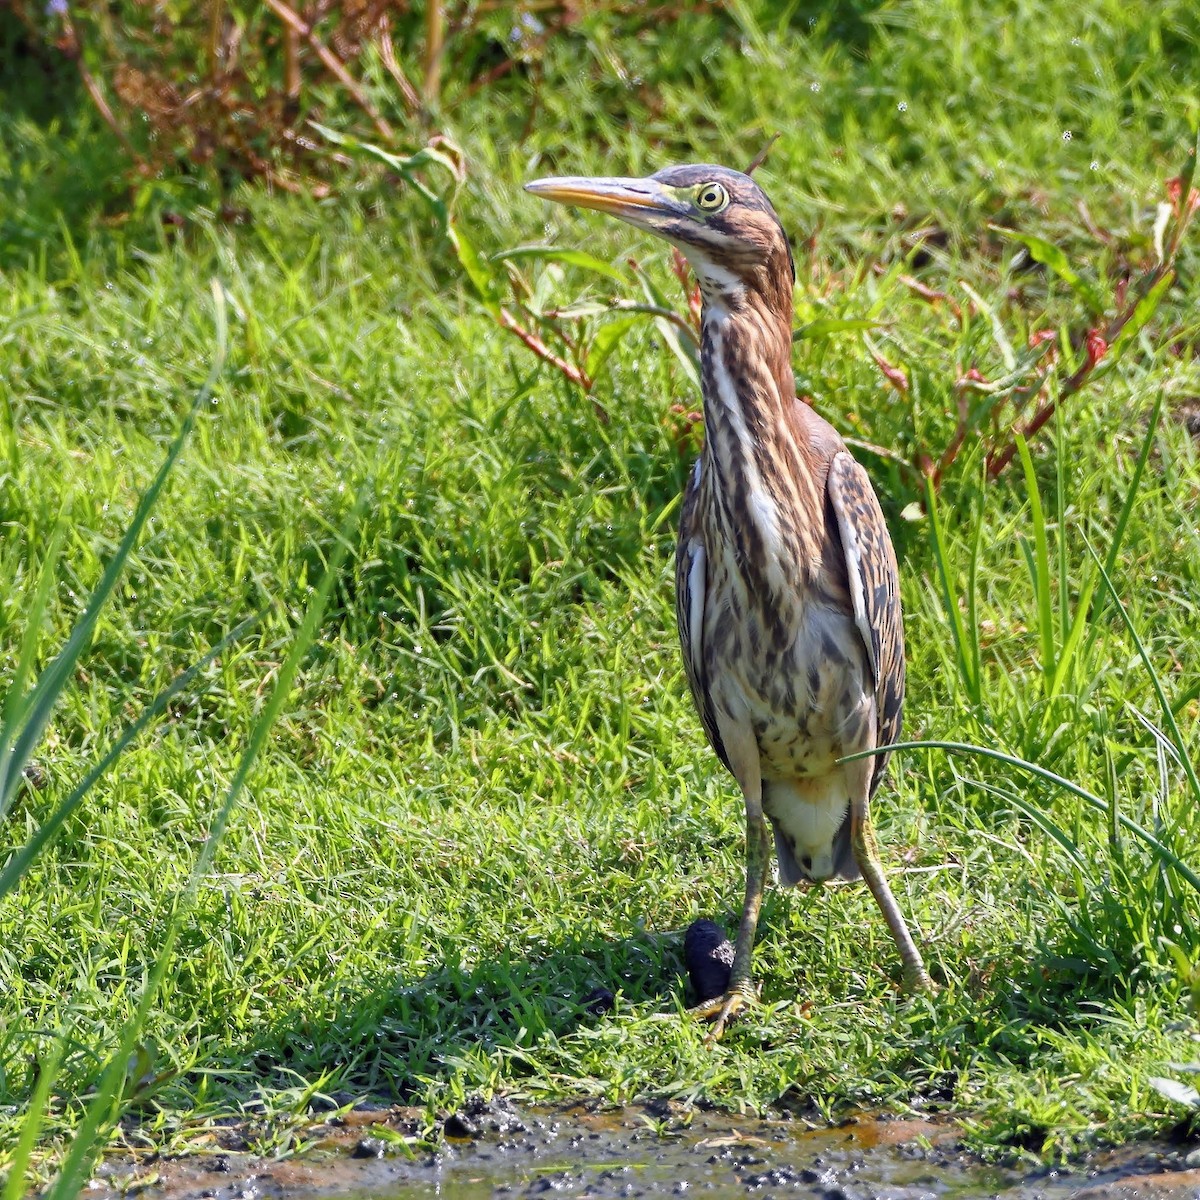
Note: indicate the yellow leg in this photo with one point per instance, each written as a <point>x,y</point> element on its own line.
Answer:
<point>866,853</point>
<point>740,991</point>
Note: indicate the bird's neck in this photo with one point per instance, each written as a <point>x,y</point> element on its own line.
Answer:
<point>759,469</point>
<point>746,362</point>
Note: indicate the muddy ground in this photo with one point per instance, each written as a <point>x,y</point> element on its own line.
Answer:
<point>497,1150</point>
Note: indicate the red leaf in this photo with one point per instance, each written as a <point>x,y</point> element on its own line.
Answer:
<point>1097,347</point>
<point>894,375</point>
<point>1175,194</point>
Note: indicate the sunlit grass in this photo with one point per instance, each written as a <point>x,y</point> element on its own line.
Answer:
<point>487,793</point>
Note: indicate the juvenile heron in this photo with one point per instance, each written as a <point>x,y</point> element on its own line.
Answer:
<point>787,594</point>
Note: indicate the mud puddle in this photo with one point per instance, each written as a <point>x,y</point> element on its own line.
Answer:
<point>497,1151</point>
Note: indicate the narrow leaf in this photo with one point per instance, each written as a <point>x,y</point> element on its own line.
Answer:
<point>1164,704</point>
<point>18,1166</point>
<point>949,597</point>
<point>569,258</point>
<point>1145,308</point>
<point>19,863</point>
<point>102,1108</point>
<point>608,338</point>
<point>824,327</point>
<point>684,348</point>
<point>1051,256</point>
<point>477,269</point>
<point>15,703</point>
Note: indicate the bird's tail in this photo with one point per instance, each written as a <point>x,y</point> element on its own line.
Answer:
<point>811,819</point>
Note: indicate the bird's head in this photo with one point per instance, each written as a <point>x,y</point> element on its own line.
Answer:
<point>721,220</point>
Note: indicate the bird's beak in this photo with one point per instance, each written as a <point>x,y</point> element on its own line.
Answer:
<point>642,202</point>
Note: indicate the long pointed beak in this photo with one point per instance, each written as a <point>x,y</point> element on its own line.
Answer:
<point>637,200</point>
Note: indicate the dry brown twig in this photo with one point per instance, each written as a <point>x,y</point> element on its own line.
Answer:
<point>332,63</point>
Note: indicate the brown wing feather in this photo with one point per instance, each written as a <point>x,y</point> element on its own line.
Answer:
<point>874,591</point>
<point>691,585</point>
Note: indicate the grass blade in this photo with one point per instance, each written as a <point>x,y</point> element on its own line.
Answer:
<point>825,327</point>
<point>19,863</point>
<point>1146,307</point>
<point>1165,853</point>
<point>15,703</point>
<point>18,1166</point>
<point>941,556</point>
<point>1164,704</point>
<point>102,1109</point>
<point>1041,573</point>
<point>570,258</point>
<point>1051,256</point>
<point>50,685</point>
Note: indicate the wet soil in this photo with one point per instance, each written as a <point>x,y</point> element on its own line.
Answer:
<point>495,1150</point>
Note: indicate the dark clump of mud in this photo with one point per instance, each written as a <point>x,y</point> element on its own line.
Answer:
<point>495,1150</point>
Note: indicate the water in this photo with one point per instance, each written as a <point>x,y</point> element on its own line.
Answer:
<point>506,1154</point>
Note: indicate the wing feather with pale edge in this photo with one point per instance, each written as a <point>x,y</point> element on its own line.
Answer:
<point>691,588</point>
<point>874,592</point>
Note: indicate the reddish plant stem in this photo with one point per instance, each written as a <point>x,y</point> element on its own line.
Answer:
<point>1094,353</point>
<point>535,343</point>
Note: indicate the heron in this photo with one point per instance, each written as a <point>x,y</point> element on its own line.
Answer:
<point>786,583</point>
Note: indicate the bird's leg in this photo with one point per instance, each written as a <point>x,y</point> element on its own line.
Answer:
<point>740,990</point>
<point>866,853</point>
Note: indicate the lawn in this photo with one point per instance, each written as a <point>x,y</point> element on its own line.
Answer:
<point>487,793</point>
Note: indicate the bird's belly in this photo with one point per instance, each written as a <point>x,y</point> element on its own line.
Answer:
<point>806,696</point>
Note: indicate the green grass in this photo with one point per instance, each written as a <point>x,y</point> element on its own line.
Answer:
<point>487,792</point>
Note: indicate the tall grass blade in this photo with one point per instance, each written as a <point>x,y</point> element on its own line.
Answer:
<point>103,1108</point>
<point>31,1125</point>
<point>1165,853</point>
<point>1041,571</point>
<point>15,703</point>
<point>1168,713</point>
<point>54,679</point>
<point>20,862</point>
<point>966,666</point>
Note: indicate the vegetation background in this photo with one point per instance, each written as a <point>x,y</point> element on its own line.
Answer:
<point>390,838</point>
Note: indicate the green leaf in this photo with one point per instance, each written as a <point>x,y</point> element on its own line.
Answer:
<point>104,1107</point>
<point>1165,707</point>
<point>1143,311</point>
<point>1051,256</point>
<point>16,702</point>
<point>477,269</point>
<point>608,338</point>
<point>570,258</point>
<point>683,347</point>
<point>824,327</point>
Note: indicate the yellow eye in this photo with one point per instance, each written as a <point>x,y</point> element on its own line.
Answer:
<point>711,197</point>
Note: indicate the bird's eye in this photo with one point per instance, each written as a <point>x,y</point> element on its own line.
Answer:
<point>711,197</point>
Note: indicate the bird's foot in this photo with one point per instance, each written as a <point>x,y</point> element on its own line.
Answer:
<point>720,1010</point>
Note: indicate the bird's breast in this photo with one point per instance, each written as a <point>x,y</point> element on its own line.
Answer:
<point>795,672</point>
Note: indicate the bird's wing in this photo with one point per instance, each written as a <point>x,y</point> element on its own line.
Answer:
<point>691,586</point>
<point>874,592</point>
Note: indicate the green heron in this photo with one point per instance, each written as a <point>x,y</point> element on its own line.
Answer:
<point>787,592</point>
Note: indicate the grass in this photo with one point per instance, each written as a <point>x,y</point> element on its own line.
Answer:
<point>487,793</point>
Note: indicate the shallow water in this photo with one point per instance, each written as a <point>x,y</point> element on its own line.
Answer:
<point>574,1152</point>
